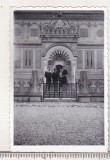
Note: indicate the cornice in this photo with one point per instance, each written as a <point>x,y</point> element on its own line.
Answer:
<point>28,44</point>
<point>64,15</point>
<point>90,46</point>
<point>60,43</point>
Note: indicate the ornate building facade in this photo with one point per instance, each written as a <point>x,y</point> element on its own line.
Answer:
<point>49,38</point>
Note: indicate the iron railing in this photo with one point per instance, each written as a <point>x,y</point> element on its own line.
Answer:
<point>57,90</point>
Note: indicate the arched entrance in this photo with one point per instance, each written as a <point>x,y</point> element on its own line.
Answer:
<point>60,55</point>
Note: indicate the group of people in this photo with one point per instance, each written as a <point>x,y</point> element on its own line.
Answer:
<point>56,77</point>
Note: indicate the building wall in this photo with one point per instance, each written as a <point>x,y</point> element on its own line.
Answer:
<point>28,45</point>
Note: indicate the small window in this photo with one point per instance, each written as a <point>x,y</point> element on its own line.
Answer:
<point>28,59</point>
<point>34,32</point>
<point>79,60</point>
<point>83,32</point>
<point>89,59</point>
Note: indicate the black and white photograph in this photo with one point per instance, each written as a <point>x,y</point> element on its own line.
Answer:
<point>59,78</point>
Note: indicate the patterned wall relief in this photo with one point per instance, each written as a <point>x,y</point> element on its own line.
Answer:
<point>22,86</point>
<point>58,27</point>
<point>17,85</point>
<point>92,86</point>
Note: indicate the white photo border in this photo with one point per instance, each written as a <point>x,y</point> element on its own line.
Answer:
<point>58,148</point>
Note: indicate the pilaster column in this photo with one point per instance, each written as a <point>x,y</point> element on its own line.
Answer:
<point>26,32</point>
<point>45,63</point>
<point>83,58</point>
<point>73,74</point>
<point>95,59</point>
<point>103,58</point>
<point>21,59</point>
<point>34,59</point>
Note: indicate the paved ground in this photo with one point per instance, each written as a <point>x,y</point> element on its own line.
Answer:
<point>59,123</point>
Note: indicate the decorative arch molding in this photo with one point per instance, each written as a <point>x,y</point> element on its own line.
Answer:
<point>84,25</point>
<point>33,25</point>
<point>61,54</point>
<point>63,45</point>
<point>61,49</point>
<point>99,24</point>
<point>19,23</point>
<point>59,27</point>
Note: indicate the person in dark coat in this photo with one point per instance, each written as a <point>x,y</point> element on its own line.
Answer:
<point>55,78</point>
<point>48,76</point>
<point>64,75</point>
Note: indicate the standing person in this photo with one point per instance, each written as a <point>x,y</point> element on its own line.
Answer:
<point>64,75</point>
<point>48,76</point>
<point>60,77</point>
<point>55,78</point>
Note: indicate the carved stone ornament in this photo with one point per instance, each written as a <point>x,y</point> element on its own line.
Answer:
<point>61,24</point>
<point>59,27</point>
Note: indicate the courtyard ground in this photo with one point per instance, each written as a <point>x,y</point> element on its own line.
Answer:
<point>58,123</point>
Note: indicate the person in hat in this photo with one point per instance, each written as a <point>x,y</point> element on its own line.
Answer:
<point>48,76</point>
<point>64,75</point>
<point>55,78</point>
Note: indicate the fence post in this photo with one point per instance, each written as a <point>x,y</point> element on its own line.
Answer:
<point>59,89</point>
<point>54,85</point>
<point>77,91</point>
<point>43,91</point>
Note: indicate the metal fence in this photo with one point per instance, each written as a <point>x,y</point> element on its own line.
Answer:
<point>56,90</point>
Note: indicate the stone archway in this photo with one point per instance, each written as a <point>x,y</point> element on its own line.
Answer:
<point>60,55</point>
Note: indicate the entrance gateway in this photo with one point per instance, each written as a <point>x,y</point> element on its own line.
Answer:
<point>57,57</point>
<point>60,55</point>
<point>60,49</point>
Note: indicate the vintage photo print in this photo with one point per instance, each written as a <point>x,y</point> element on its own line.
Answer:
<point>59,79</point>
